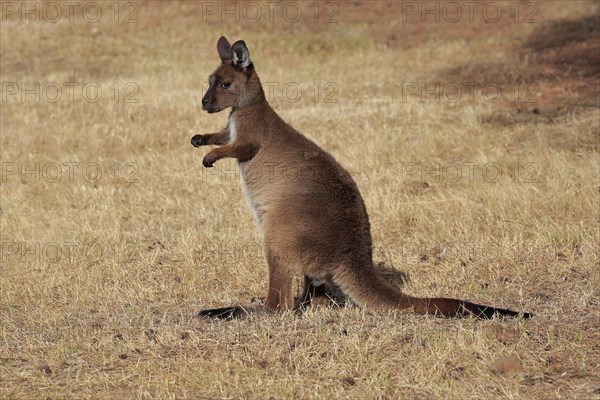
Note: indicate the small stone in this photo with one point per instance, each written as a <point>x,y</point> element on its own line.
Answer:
<point>46,369</point>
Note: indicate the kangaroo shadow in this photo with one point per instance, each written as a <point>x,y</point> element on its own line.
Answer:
<point>330,295</point>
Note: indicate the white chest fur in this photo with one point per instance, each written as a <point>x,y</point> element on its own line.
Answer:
<point>252,200</point>
<point>232,130</point>
<point>245,171</point>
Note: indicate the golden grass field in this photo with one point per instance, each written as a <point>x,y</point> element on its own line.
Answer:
<point>114,236</point>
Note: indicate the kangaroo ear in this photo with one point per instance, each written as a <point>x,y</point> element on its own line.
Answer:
<point>224,49</point>
<point>241,55</point>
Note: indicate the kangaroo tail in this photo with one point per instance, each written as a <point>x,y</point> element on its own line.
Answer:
<point>460,308</point>
<point>371,291</point>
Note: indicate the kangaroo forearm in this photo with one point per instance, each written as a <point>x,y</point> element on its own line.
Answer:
<point>219,138</point>
<point>243,152</point>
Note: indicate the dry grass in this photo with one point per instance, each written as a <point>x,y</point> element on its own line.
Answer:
<point>100,280</point>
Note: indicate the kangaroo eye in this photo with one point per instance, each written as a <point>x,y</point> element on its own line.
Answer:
<point>225,85</point>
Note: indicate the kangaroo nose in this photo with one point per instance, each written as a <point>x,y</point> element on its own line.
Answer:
<point>204,101</point>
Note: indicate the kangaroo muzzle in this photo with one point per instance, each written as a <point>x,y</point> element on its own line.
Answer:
<point>207,103</point>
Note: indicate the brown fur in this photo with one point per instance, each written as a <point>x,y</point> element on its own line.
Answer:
<point>310,212</point>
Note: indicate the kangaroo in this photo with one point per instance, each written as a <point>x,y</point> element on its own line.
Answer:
<point>309,211</point>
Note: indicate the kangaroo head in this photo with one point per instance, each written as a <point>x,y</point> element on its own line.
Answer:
<point>234,83</point>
